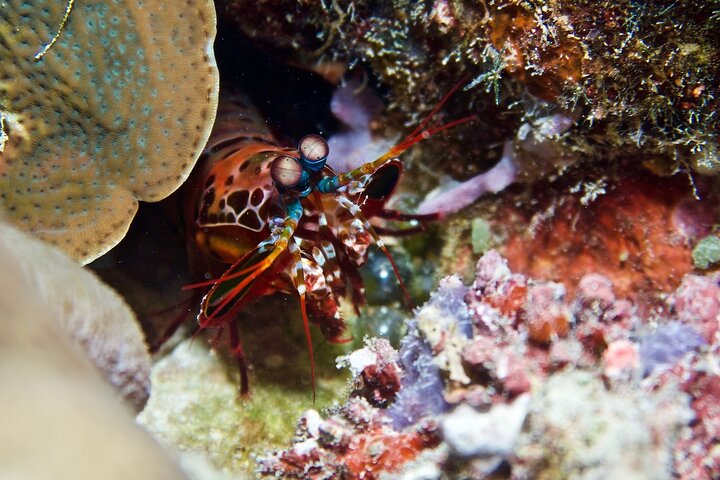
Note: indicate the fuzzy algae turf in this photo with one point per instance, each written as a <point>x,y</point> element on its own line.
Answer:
<point>706,252</point>
<point>634,77</point>
<point>195,407</point>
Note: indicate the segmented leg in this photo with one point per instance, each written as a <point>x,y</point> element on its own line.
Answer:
<point>54,39</point>
<point>356,212</point>
<point>180,318</point>
<point>349,269</point>
<point>238,280</point>
<point>326,255</point>
<point>419,221</point>
<point>298,279</point>
<point>332,250</point>
<point>237,351</point>
<point>408,217</point>
<point>328,275</point>
<point>422,132</point>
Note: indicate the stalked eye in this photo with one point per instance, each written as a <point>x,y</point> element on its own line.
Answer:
<point>313,149</point>
<point>286,171</point>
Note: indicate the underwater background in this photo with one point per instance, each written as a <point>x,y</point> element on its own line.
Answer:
<point>527,287</point>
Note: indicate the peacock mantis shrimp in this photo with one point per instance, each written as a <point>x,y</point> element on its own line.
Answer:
<point>285,221</point>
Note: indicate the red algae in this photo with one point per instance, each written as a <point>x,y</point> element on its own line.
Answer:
<point>376,452</point>
<point>355,442</point>
<point>625,234</point>
<point>517,33</point>
<point>545,314</point>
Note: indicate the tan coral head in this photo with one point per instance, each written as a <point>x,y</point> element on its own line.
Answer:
<point>116,110</point>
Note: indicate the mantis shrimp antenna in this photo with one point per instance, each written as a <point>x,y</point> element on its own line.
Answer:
<point>332,183</point>
<point>356,212</point>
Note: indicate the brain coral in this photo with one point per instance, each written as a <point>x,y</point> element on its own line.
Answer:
<point>115,111</point>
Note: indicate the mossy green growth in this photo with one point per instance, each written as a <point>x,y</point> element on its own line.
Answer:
<point>706,252</point>
<point>195,407</point>
<point>480,235</point>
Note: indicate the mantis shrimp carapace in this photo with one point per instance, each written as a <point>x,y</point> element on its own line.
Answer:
<point>285,221</point>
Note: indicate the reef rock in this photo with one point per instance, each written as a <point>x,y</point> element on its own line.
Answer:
<point>579,430</point>
<point>59,419</point>
<point>91,313</point>
<point>599,391</point>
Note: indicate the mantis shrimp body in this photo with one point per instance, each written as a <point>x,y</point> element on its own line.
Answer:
<point>284,221</point>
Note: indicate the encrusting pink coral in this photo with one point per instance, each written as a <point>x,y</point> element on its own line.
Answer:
<point>620,356</point>
<point>697,303</point>
<point>696,453</point>
<point>635,373</point>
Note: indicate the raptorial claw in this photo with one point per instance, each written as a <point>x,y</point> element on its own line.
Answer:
<point>247,179</point>
<point>229,293</point>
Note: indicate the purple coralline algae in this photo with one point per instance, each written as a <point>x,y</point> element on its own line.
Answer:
<point>356,106</point>
<point>668,344</point>
<point>453,196</point>
<point>422,387</point>
<point>512,378</point>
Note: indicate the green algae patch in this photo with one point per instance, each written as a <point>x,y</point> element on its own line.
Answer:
<point>195,407</point>
<point>480,235</point>
<point>706,252</point>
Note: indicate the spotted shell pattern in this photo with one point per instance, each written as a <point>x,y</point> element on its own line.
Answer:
<point>234,198</point>
<point>242,197</point>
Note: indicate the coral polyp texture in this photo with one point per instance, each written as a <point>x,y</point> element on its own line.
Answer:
<point>512,377</point>
<point>116,110</point>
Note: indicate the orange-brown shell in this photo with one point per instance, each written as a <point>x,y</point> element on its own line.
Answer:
<point>231,192</point>
<point>232,198</point>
